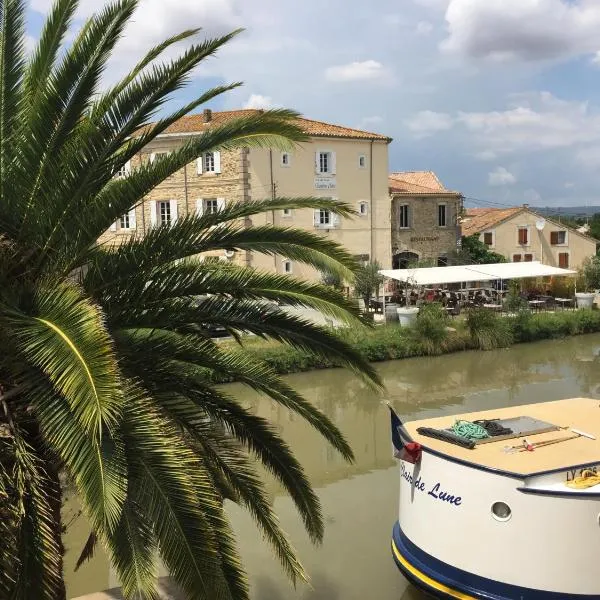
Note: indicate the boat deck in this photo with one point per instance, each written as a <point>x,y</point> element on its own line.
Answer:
<point>580,413</point>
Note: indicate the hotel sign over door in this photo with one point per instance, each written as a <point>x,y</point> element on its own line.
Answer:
<point>325,183</point>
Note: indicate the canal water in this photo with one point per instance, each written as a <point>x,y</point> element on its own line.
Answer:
<point>360,500</point>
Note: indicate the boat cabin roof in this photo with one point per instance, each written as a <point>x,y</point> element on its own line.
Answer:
<point>579,413</point>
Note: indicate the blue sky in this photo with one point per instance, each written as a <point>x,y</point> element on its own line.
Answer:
<point>500,97</point>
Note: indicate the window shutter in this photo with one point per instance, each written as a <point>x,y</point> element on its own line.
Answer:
<point>516,258</point>
<point>113,227</point>
<point>332,166</point>
<point>200,207</point>
<point>554,238</point>
<point>128,167</point>
<point>132,224</point>
<point>317,166</point>
<point>199,161</point>
<point>217,156</point>
<point>335,219</point>
<point>317,217</point>
<point>153,214</point>
<point>152,157</point>
<point>173,204</point>
<point>220,204</point>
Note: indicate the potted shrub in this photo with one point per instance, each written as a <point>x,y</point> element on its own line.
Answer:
<point>588,281</point>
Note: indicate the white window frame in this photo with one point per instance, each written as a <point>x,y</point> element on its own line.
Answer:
<point>210,206</point>
<point>215,163</point>
<point>124,170</point>
<point>286,213</point>
<point>286,156</point>
<point>287,266</point>
<point>528,227</point>
<point>208,162</point>
<point>325,217</point>
<point>159,207</point>
<point>131,222</point>
<point>362,158</point>
<point>493,232</point>
<point>445,205</point>
<point>363,208</point>
<point>331,162</point>
<point>407,226</point>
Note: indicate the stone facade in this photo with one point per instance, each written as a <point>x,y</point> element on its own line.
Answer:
<point>359,178</point>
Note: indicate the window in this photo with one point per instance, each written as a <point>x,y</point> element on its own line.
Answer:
<point>123,170</point>
<point>523,235</point>
<point>516,258</point>
<point>558,238</point>
<point>325,217</point>
<point>528,257</point>
<point>488,238</point>
<point>164,212</point>
<point>285,159</point>
<point>362,161</point>
<point>125,222</point>
<point>363,209</point>
<point>156,155</point>
<point>211,205</point>
<point>286,212</point>
<point>442,214</point>
<point>563,260</point>
<point>404,217</point>
<point>287,266</point>
<point>324,162</point>
<point>442,261</point>
<point>209,162</point>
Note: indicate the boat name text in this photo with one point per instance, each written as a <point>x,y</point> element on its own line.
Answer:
<point>573,473</point>
<point>435,491</point>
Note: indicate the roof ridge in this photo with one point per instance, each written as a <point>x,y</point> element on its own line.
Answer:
<point>301,118</point>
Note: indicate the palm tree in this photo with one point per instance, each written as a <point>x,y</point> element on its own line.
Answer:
<point>107,364</point>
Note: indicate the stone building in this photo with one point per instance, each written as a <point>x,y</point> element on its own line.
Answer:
<point>337,162</point>
<point>522,235</point>
<point>424,219</point>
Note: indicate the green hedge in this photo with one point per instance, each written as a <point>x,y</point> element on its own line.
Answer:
<point>392,342</point>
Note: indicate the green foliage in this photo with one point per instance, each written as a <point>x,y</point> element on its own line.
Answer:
<point>589,274</point>
<point>331,279</point>
<point>367,281</point>
<point>473,251</point>
<point>431,328</point>
<point>108,377</point>
<point>513,300</point>
<point>487,330</point>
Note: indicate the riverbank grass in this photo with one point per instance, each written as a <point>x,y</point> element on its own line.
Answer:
<point>434,334</point>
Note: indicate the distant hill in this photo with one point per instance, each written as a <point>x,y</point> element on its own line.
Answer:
<point>567,211</point>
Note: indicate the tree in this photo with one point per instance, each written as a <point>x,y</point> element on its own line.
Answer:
<point>474,252</point>
<point>367,281</point>
<point>105,377</point>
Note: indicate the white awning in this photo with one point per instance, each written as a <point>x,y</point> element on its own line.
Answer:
<point>469,273</point>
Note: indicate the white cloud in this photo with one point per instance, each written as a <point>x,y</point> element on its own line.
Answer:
<point>424,28</point>
<point>522,29</point>
<point>428,122</point>
<point>486,155</point>
<point>532,196</point>
<point>367,70</point>
<point>258,101</point>
<point>501,176</point>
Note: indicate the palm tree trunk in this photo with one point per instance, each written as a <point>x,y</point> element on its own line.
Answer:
<point>55,500</point>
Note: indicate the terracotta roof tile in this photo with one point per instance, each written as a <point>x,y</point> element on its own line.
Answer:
<point>416,182</point>
<point>477,220</point>
<point>195,124</point>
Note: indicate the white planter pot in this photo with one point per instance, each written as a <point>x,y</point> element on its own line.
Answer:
<point>391,316</point>
<point>407,315</point>
<point>585,299</point>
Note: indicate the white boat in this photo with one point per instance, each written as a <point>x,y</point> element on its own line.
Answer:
<point>500,521</point>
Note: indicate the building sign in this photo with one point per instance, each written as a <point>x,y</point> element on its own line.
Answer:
<point>424,239</point>
<point>325,183</point>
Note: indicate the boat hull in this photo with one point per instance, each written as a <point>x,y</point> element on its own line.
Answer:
<point>448,542</point>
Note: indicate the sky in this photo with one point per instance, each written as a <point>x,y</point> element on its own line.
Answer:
<point>501,98</point>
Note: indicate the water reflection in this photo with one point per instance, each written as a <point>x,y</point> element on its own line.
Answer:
<point>360,500</point>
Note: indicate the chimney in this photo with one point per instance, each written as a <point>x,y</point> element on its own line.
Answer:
<point>207,115</point>
<point>525,205</point>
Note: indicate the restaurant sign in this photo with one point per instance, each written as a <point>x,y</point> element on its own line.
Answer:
<point>424,239</point>
<point>325,183</point>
